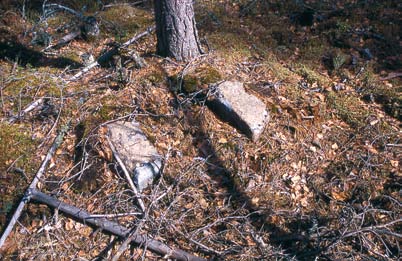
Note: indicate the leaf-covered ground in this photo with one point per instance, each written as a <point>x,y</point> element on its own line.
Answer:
<point>322,183</point>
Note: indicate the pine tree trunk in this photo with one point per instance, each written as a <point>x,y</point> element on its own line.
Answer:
<point>176,29</point>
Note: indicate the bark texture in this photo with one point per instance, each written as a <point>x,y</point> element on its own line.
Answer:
<point>176,29</point>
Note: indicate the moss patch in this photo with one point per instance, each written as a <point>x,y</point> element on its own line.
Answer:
<point>348,108</point>
<point>126,20</point>
<point>200,78</point>
<point>16,148</point>
<point>14,142</point>
<point>311,76</point>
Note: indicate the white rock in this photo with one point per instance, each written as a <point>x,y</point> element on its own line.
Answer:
<point>244,111</point>
<point>136,151</point>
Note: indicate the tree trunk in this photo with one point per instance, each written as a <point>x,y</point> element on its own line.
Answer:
<point>176,30</point>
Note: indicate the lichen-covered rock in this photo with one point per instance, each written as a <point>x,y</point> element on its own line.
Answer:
<point>244,111</point>
<point>136,151</point>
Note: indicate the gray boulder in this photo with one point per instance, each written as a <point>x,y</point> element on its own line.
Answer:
<point>244,111</point>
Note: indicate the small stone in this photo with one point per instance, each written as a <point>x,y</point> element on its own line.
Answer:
<point>136,151</point>
<point>244,111</point>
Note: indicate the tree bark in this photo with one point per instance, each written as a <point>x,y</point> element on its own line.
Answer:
<point>176,29</point>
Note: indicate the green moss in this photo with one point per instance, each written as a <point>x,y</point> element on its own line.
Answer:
<point>17,149</point>
<point>125,20</point>
<point>32,82</point>
<point>343,26</point>
<point>191,83</point>
<point>311,51</point>
<point>338,60</point>
<point>156,77</point>
<point>231,50</point>
<point>277,69</point>
<point>200,78</point>
<point>348,108</point>
<point>15,142</point>
<point>311,76</point>
<point>99,115</point>
<point>388,95</point>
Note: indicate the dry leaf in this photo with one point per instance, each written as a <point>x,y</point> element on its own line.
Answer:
<point>69,225</point>
<point>339,195</point>
<point>222,140</point>
<point>255,201</point>
<point>394,163</point>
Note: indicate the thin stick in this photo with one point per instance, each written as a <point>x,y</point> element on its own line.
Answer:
<point>115,215</point>
<point>56,143</point>
<point>127,174</point>
<point>106,56</point>
<point>111,227</point>
<point>84,70</point>
<point>29,108</point>
<point>127,241</point>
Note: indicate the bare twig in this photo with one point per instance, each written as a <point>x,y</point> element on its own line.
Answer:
<point>379,229</point>
<point>56,143</point>
<point>115,215</point>
<point>64,40</point>
<point>106,56</point>
<point>62,8</point>
<point>394,145</point>
<point>111,227</point>
<point>84,70</point>
<point>127,174</point>
<point>124,4</point>
<point>127,241</point>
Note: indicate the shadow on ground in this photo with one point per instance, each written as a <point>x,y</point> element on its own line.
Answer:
<point>14,51</point>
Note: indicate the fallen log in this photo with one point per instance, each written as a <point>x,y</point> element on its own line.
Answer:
<point>111,227</point>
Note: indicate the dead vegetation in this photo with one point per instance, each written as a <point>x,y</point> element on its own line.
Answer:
<point>323,181</point>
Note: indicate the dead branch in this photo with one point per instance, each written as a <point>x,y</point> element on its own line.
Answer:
<point>57,7</point>
<point>29,108</point>
<point>56,143</point>
<point>127,241</point>
<point>106,56</point>
<point>111,227</point>
<point>391,76</point>
<point>64,40</point>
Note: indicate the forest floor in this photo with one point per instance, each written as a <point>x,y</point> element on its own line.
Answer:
<point>323,182</point>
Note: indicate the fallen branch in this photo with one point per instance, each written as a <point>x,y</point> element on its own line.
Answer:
<point>56,143</point>
<point>111,227</point>
<point>391,76</point>
<point>61,8</point>
<point>127,241</point>
<point>29,108</point>
<point>106,56</point>
<point>64,40</point>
